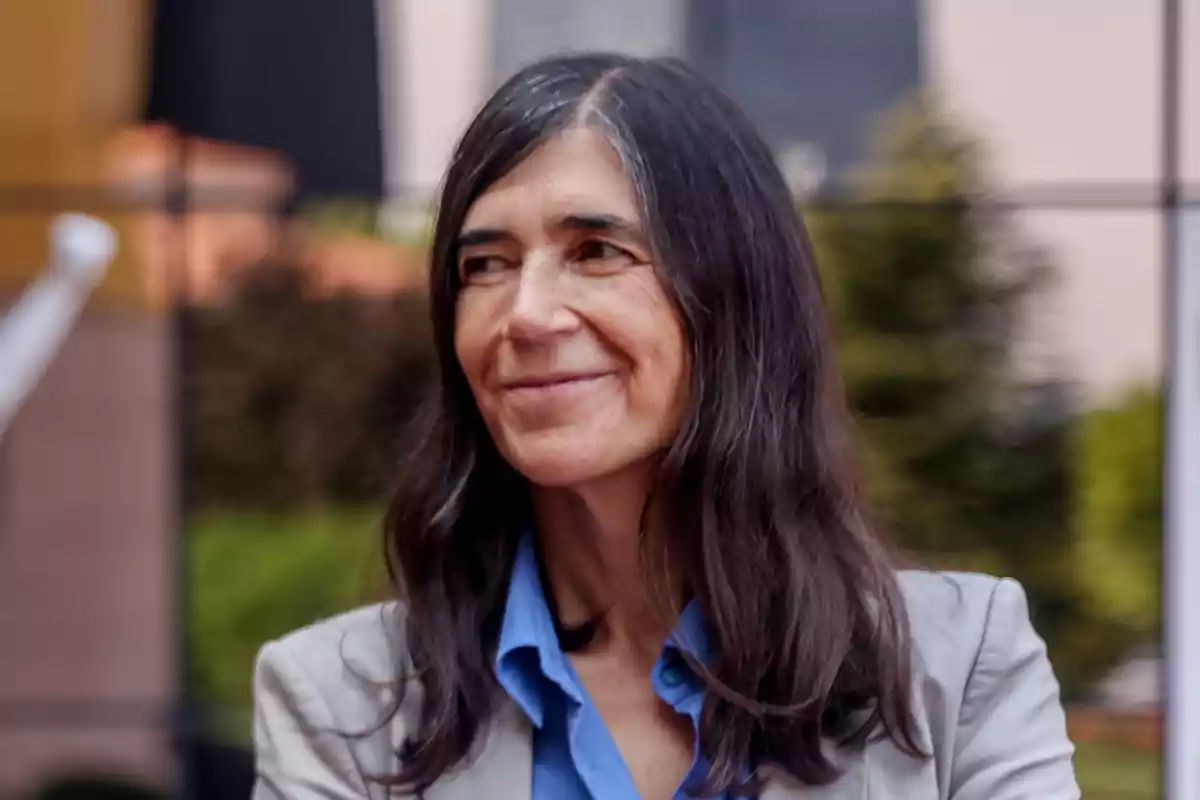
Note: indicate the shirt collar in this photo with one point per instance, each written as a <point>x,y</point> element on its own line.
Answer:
<point>529,656</point>
<point>691,634</point>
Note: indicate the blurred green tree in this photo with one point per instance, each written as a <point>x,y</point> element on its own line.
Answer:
<point>1118,507</point>
<point>967,463</point>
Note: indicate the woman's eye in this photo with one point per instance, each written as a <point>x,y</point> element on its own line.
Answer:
<point>596,250</point>
<point>480,267</point>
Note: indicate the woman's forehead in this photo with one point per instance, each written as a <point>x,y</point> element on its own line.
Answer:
<point>577,172</point>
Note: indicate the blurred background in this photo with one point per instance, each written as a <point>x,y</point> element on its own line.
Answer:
<point>202,466</point>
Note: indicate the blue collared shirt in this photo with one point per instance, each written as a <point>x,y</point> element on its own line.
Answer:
<point>574,757</point>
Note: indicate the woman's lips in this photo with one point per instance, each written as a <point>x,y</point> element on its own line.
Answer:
<point>553,388</point>
<point>551,379</point>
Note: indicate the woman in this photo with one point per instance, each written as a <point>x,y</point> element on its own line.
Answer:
<point>630,556</point>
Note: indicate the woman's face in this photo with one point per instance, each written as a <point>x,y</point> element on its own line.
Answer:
<point>571,348</point>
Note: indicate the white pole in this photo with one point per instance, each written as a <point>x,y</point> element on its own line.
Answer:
<point>32,332</point>
<point>1182,531</point>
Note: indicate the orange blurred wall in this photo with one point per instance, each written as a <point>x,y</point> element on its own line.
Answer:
<point>72,73</point>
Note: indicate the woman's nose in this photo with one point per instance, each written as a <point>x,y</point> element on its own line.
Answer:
<point>537,309</point>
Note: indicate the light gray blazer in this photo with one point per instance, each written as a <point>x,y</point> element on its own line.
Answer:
<point>986,700</point>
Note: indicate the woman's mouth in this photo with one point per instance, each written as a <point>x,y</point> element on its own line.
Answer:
<point>555,387</point>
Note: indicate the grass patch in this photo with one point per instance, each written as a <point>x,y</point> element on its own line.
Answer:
<point>1109,772</point>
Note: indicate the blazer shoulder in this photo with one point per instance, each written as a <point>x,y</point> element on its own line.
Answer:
<point>368,641</point>
<point>986,689</point>
<point>952,616</point>
<point>945,602</point>
<point>325,705</point>
<point>986,692</point>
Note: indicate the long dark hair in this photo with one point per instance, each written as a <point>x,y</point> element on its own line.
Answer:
<point>764,522</point>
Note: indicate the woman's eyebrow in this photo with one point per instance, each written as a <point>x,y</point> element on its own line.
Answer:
<point>597,223</point>
<point>603,223</point>
<point>478,236</point>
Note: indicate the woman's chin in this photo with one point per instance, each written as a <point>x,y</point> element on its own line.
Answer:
<point>558,472</point>
<point>562,455</point>
<point>560,463</point>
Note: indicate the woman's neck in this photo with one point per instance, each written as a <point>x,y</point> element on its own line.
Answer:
<point>589,539</point>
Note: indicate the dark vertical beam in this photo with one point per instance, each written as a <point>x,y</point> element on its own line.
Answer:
<point>186,727</point>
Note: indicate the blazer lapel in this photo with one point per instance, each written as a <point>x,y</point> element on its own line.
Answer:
<point>503,769</point>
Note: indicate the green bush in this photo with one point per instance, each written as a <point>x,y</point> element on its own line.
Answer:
<point>256,575</point>
<point>1119,507</point>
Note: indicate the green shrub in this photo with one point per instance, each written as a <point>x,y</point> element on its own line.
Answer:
<point>256,575</point>
<point>1119,507</point>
